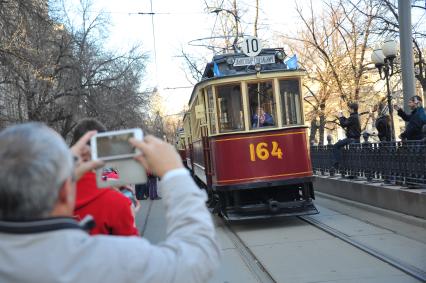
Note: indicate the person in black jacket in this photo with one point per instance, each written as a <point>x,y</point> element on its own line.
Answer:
<point>383,123</point>
<point>416,119</point>
<point>352,127</point>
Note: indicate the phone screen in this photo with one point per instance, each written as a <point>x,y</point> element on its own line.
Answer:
<point>114,145</point>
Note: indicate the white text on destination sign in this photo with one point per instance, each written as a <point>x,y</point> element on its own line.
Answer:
<point>247,61</point>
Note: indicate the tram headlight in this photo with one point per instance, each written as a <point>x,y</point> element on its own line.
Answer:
<point>258,67</point>
<point>280,55</point>
<point>230,60</point>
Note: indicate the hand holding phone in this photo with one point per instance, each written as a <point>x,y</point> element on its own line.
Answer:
<point>115,150</point>
<point>158,156</point>
<point>81,152</point>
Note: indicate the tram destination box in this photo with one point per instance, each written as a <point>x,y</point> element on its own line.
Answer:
<point>118,154</point>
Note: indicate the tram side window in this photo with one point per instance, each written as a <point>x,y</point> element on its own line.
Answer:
<point>290,98</point>
<point>212,112</point>
<point>230,108</point>
<point>262,104</point>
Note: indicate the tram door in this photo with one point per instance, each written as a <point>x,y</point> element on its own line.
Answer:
<point>207,154</point>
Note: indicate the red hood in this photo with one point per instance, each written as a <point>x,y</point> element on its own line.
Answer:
<point>87,190</point>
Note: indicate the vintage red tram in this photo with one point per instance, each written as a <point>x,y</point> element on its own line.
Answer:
<point>245,138</point>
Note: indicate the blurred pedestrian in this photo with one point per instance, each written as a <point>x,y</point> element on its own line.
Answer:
<point>142,191</point>
<point>152,186</point>
<point>416,119</point>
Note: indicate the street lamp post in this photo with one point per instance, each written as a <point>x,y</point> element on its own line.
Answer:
<point>383,57</point>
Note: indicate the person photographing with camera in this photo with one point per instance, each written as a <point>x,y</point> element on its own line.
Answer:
<point>37,198</point>
<point>416,119</point>
<point>352,128</point>
<point>111,210</point>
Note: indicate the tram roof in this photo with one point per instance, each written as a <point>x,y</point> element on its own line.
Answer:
<point>222,66</point>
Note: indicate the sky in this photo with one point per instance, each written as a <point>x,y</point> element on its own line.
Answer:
<point>177,23</point>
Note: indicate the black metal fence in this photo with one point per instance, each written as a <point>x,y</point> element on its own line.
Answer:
<point>400,163</point>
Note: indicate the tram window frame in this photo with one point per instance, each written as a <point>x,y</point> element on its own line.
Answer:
<point>228,119</point>
<point>211,110</point>
<point>271,109</point>
<point>291,103</point>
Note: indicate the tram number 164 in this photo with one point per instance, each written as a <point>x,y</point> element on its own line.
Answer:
<point>261,151</point>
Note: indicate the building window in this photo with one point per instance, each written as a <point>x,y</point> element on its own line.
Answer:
<point>290,99</point>
<point>262,104</point>
<point>212,112</point>
<point>230,110</point>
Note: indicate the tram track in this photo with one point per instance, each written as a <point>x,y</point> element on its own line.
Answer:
<point>404,267</point>
<point>251,261</point>
<point>260,272</point>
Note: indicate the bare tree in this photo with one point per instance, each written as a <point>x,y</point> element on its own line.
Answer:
<point>193,66</point>
<point>57,71</point>
<point>332,47</point>
<point>387,25</point>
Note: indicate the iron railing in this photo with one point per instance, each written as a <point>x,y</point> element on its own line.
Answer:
<point>400,163</point>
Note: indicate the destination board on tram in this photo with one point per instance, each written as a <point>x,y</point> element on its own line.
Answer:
<point>248,61</point>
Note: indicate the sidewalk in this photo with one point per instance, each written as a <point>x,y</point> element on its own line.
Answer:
<point>395,198</point>
<point>151,223</point>
<point>151,220</point>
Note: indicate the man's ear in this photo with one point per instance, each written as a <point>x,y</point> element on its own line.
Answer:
<point>65,202</point>
<point>67,193</point>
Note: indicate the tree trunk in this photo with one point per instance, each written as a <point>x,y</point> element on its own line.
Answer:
<point>313,132</point>
<point>321,129</point>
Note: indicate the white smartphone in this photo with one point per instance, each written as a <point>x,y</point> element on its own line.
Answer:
<point>115,145</point>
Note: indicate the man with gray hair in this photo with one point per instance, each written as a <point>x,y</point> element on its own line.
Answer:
<point>41,242</point>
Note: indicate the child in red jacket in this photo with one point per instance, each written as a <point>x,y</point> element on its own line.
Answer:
<point>110,209</point>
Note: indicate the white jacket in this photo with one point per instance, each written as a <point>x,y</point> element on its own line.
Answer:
<point>56,250</point>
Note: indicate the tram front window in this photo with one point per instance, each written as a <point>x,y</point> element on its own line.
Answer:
<point>230,108</point>
<point>262,104</point>
<point>290,98</point>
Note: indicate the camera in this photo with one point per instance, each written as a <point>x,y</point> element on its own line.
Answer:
<point>118,153</point>
<point>115,144</point>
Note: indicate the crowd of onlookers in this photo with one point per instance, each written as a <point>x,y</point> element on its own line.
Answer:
<point>352,126</point>
<point>56,225</point>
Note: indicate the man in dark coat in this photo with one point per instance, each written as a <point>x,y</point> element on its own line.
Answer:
<point>383,124</point>
<point>416,119</point>
<point>352,127</point>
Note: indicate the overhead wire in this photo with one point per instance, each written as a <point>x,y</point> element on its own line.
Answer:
<point>177,87</point>
<point>155,47</point>
<point>144,13</point>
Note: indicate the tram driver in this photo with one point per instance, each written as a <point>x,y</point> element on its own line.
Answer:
<point>262,118</point>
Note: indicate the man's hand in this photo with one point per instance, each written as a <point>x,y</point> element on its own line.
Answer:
<point>157,156</point>
<point>82,153</point>
<point>396,107</point>
<point>340,114</point>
